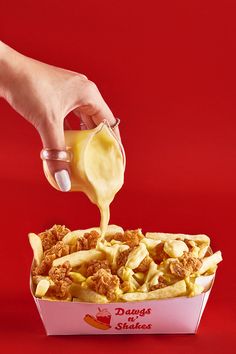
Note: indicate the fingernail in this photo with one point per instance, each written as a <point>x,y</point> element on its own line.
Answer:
<point>63,180</point>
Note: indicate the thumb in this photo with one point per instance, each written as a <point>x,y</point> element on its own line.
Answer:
<point>52,136</point>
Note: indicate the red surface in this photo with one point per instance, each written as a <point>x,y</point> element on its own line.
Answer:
<point>167,68</point>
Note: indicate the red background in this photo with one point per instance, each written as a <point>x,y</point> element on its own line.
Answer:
<point>167,69</point>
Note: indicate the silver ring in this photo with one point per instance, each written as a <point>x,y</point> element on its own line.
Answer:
<point>56,155</point>
<point>112,126</point>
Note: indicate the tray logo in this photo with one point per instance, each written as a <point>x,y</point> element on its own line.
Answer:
<point>101,321</point>
<point>128,319</point>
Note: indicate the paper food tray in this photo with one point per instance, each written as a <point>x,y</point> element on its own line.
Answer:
<point>174,315</point>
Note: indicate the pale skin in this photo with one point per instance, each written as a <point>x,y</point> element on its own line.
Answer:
<point>44,94</point>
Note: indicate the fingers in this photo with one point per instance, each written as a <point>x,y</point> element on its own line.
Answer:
<point>52,135</point>
<point>85,121</point>
<point>92,108</point>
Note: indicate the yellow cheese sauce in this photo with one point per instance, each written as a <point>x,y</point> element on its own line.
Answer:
<point>97,167</point>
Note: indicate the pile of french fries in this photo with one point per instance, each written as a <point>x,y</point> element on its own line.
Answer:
<point>160,280</point>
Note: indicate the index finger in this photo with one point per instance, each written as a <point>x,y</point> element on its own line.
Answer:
<point>93,108</point>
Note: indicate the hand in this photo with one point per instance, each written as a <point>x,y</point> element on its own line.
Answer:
<point>44,94</point>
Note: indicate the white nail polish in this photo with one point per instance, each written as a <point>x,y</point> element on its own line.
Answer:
<point>63,180</point>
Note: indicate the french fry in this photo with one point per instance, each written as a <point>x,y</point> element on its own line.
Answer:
<point>73,236</point>
<point>123,280</point>
<point>77,277</point>
<point>42,288</point>
<point>113,229</point>
<point>177,289</point>
<point>136,256</point>
<point>80,293</point>
<point>155,279</point>
<point>139,276</point>
<point>38,278</point>
<point>53,298</point>
<point>126,274</point>
<point>151,271</point>
<point>115,242</point>
<point>167,236</point>
<point>193,288</point>
<point>49,298</point>
<point>203,248</point>
<point>205,281</point>
<point>150,243</point>
<point>111,252</point>
<point>77,258</point>
<point>36,244</point>
<point>211,270</point>
<point>210,262</point>
<point>195,251</point>
<point>152,277</point>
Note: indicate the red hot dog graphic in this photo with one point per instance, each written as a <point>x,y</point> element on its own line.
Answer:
<point>102,319</point>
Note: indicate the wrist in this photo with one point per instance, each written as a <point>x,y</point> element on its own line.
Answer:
<point>2,51</point>
<point>4,54</point>
<point>3,67</point>
<point>8,68</point>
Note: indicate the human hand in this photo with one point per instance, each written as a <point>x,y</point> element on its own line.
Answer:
<point>44,94</point>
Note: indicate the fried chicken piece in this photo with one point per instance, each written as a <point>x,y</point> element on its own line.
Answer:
<point>56,251</point>
<point>61,289</point>
<point>122,258</point>
<point>60,272</point>
<point>144,265</point>
<point>161,284</point>
<point>36,279</point>
<point>59,249</point>
<point>133,237</point>
<point>45,265</point>
<point>130,237</point>
<point>104,283</point>
<point>159,253</point>
<point>50,237</point>
<point>94,265</point>
<point>118,236</point>
<point>178,270</point>
<point>61,279</point>
<point>185,265</point>
<point>191,263</point>
<point>88,241</point>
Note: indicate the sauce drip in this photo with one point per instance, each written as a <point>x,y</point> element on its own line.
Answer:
<point>97,167</point>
